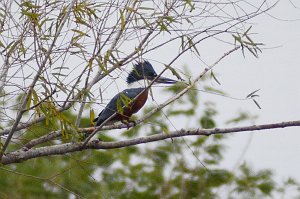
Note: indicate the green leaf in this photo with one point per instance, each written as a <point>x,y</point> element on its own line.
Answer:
<point>81,21</point>
<point>250,43</point>
<point>29,5</point>
<point>245,33</point>
<point>29,99</point>
<point>122,19</point>
<point>125,100</point>
<point>12,46</point>
<point>238,39</point>
<point>146,8</point>
<point>189,2</point>
<point>188,112</point>
<point>199,141</point>
<point>35,97</point>
<point>80,32</point>
<point>22,49</point>
<point>119,106</point>
<point>106,57</point>
<point>251,94</point>
<point>102,67</point>
<point>207,122</point>
<point>163,27</point>
<point>252,51</point>
<point>175,88</point>
<point>90,64</point>
<point>59,74</point>
<point>169,18</point>
<point>174,72</point>
<point>214,77</point>
<point>78,45</point>
<point>92,116</point>
<point>165,129</point>
<point>182,43</point>
<point>192,45</point>
<point>1,44</point>
<point>291,181</point>
<point>130,9</point>
<point>89,94</point>
<point>213,90</point>
<point>241,117</point>
<point>132,132</point>
<point>256,103</point>
<point>32,15</point>
<point>48,117</point>
<point>61,68</point>
<point>41,23</point>
<point>266,187</point>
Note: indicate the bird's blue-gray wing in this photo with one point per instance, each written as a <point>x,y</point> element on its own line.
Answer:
<point>111,107</point>
<point>108,111</point>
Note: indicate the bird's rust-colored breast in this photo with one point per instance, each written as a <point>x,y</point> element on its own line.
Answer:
<point>134,106</point>
<point>140,101</point>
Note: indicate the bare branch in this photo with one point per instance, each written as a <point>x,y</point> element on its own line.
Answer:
<point>22,155</point>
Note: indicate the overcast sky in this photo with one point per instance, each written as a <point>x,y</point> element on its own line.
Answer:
<point>276,73</point>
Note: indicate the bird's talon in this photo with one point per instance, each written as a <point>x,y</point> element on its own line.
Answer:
<point>134,123</point>
<point>24,148</point>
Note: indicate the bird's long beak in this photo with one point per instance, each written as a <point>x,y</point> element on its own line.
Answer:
<point>165,80</point>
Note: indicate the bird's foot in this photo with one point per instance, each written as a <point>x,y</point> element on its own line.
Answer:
<point>127,122</point>
<point>133,121</point>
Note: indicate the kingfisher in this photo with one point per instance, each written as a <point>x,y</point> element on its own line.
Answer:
<point>130,101</point>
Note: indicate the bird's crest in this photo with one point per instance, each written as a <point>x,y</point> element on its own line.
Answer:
<point>140,71</point>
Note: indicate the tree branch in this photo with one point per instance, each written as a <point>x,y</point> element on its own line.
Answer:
<point>22,155</point>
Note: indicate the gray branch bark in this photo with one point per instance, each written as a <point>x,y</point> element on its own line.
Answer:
<point>61,149</point>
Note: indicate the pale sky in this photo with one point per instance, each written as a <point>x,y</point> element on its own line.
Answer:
<point>276,73</point>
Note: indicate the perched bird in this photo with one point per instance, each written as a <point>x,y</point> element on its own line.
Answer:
<point>130,101</point>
